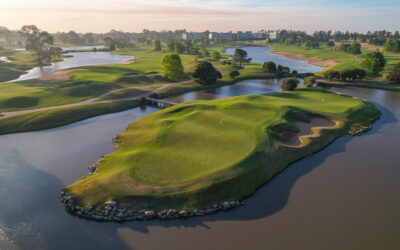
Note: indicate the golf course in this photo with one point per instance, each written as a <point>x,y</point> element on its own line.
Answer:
<point>200,153</point>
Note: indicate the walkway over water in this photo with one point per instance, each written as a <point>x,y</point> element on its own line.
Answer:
<point>159,103</point>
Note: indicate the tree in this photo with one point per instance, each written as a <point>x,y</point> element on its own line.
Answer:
<point>331,75</point>
<point>171,66</point>
<point>215,55</point>
<point>156,44</point>
<point>269,67</point>
<point>392,45</point>
<point>206,73</point>
<point>179,48</point>
<point>37,41</point>
<point>394,74</point>
<point>374,62</point>
<point>240,55</point>
<point>281,70</point>
<point>110,43</point>
<point>234,74</point>
<point>170,44</point>
<point>354,48</point>
<point>309,81</point>
<point>289,84</point>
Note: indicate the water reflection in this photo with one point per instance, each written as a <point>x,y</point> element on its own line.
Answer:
<point>316,203</point>
<point>78,59</point>
<point>261,55</point>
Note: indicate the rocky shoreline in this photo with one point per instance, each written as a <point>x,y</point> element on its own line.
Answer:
<point>113,213</point>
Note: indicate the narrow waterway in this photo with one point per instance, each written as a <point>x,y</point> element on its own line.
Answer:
<point>345,197</point>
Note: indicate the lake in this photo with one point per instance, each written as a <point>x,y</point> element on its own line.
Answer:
<point>78,59</point>
<point>261,54</point>
<point>346,196</point>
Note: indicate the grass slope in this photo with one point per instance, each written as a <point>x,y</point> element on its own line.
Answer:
<point>60,116</point>
<point>203,152</point>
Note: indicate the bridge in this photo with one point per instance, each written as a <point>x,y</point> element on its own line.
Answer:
<point>159,103</point>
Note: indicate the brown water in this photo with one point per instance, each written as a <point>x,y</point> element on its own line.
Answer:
<point>345,197</point>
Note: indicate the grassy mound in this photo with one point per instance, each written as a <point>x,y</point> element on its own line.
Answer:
<point>203,152</point>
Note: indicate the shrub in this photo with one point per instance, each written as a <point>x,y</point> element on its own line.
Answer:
<point>309,81</point>
<point>294,72</point>
<point>374,62</point>
<point>215,56</point>
<point>330,44</point>
<point>394,75</point>
<point>234,74</point>
<point>206,73</point>
<point>289,84</point>
<point>331,75</point>
<point>269,67</point>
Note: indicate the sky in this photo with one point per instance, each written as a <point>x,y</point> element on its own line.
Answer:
<point>199,15</point>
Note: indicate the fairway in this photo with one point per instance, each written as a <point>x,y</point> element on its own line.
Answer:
<point>202,152</point>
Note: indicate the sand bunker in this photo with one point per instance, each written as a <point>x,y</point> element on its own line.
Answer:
<point>58,76</point>
<point>311,60</point>
<point>294,139</point>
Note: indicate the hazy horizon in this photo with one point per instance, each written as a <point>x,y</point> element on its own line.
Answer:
<point>194,15</point>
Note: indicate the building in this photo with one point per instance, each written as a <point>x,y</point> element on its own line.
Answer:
<point>261,35</point>
<point>192,35</point>
<point>243,36</point>
<point>224,36</point>
<point>274,35</point>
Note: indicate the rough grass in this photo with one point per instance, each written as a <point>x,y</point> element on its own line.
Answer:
<point>60,116</point>
<point>346,60</point>
<point>127,93</point>
<point>202,152</point>
<point>88,82</point>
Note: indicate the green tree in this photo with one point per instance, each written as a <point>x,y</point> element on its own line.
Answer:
<point>374,62</point>
<point>331,75</point>
<point>156,44</point>
<point>309,81</point>
<point>215,55</point>
<point>234,74</point>
<point>171,67</point>
<point>37,41</point>
<point>394,74</point>
<point>289,84</point>
<point>392,45</point>
<point>170,45</point>
<point>179,48</point>
<point>269,67</point>
<point>240,56</point>
<point>205,73</point>
<point>110,43</point>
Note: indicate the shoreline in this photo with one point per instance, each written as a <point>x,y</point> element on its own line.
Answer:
<point>311,60</point>
<point>113,213</point>
<point>310,143</point>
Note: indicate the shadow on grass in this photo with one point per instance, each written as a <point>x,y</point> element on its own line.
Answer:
<point>273,196</point>
<point>21,102</point>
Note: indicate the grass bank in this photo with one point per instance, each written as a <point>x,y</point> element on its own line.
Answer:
<point>345,60</point>
<point>203,152</point>
<point>370,85</point>
<point>60,116</point>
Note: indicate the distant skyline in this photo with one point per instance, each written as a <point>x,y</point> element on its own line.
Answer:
<point>198,15</point>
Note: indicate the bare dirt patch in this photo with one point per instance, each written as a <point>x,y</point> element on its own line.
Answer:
<point>58,76</point>
<point>311,60</point>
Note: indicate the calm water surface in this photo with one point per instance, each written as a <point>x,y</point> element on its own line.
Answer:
<point>78,59</point>
<point>261,55</point>
<point>345,197</point>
